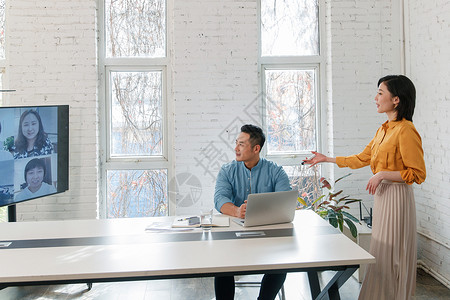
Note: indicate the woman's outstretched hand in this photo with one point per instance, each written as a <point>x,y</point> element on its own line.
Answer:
<point>317,158</point>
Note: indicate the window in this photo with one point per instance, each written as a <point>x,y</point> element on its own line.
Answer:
<point>135,28</point>
<point>136,114</point>
<point>292,67</point>
<point>135,157</point>
<point>289,28</point>
<point>291,110</point>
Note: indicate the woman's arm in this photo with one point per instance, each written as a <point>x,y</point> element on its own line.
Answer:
<point>376,179</point>
<point>318,158</point>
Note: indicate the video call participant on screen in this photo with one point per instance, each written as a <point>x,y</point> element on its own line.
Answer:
<point>31,138</point>
<point>248,174</point>
<point>34,175</point>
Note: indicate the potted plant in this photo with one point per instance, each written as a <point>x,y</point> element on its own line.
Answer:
<point>331,206</point>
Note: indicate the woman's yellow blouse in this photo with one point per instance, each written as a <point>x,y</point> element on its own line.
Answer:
<point>397,146</point>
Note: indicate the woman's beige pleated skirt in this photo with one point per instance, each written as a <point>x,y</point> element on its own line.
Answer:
<point>393,244</point>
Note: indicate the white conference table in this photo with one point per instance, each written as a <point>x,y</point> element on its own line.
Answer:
<point>89,251</point>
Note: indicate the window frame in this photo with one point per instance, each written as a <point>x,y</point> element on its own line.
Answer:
<point>316,62</point>
<point>107,65</point>
<point>290,158</point>
<point>108,108</point>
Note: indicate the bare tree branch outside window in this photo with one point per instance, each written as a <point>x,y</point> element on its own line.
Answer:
<point>291,111</point>
<point>289,27</point>
<point>305,180</point>
<point>136,114</point>
<point>136,131</point>
<point>135,28</point>
<point>137,193</point>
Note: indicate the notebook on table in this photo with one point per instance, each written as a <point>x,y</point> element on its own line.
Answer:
<point>269,208</point>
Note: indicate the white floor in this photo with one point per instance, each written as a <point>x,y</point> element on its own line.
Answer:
<point>296,287</point>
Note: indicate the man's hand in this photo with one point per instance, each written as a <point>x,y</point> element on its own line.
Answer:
<point>240,211</point>
<point>233,210</point>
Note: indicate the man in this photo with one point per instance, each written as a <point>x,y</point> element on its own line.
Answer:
<point>236,180</point>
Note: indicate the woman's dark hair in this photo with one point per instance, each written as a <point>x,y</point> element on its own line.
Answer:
<point>402,87</point>
<point>34,163</point>
<point>257,136</point>
<point>21,140</point>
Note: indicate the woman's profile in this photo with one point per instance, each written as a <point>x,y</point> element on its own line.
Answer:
<point>31,138</point>
<point>34,175</point>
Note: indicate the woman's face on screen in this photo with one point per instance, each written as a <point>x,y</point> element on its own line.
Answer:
<point>30,126</point>
<point>35,177</point>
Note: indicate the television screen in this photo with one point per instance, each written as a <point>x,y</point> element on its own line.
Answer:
<point>34,152</point>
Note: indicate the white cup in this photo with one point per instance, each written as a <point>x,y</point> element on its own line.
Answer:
<point>206,219</point>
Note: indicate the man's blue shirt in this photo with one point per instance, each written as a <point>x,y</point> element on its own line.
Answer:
<point>235,182</point>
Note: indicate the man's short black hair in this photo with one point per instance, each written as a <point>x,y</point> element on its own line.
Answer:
<point>257,136</point>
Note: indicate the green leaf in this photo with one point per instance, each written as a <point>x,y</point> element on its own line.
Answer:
<point>318,199</point>
<point>352,201</point>
<point>331,213</point>
<point>350,216</point>
<point>341,224</point>
<point>333,221</point>
<point>343,198</point>
<point>322,213</point>
<point>302,201</point>
<point>342,177</point>
<point>352,227</point>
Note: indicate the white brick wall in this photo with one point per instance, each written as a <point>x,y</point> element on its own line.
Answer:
<point>362,35</point>
<point>215,79</point>
<point>52,60</point>
<point>428,49</point>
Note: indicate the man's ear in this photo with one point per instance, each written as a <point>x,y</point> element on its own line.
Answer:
<point>257,148</point>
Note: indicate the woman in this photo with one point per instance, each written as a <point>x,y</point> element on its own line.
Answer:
<point>395,156</point>
<point>31,139</point>
<point>34,175</point>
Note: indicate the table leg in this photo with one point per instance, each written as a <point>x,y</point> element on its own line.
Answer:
<point>314,284</point>
<point>332,288</point>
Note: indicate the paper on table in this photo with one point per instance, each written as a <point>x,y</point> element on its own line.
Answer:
<point>164,226</point>
<point>218,221</point>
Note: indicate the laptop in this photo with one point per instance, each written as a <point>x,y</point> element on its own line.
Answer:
<point>269,208</point>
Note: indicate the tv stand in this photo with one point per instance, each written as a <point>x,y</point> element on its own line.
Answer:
<point>12,213</point>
